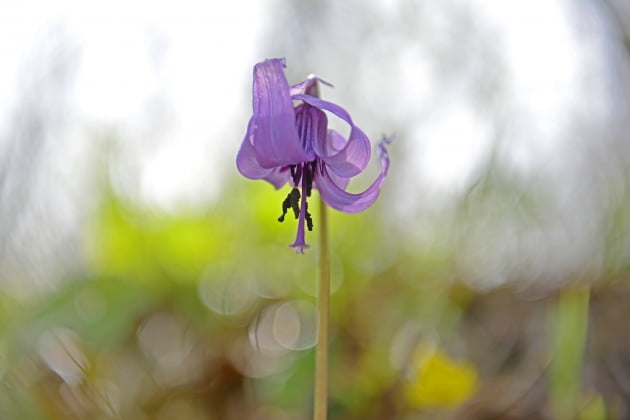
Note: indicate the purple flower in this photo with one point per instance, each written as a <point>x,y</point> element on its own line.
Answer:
<point>292,143</point>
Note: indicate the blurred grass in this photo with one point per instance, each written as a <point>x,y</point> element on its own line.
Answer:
<point>569,327</point>
<point>178,314</point>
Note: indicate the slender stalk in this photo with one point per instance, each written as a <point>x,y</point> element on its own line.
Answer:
<point>323,303</point>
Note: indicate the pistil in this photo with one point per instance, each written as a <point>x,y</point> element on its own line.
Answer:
<point>302,175</point>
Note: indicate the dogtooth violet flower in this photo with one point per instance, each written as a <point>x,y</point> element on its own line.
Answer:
<point>288,141</point>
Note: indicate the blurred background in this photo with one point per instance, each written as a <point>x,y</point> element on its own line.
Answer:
<point>141,277</point>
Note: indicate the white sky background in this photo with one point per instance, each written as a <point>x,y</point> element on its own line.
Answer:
<point>172,80</point>
<point>190,58</point>
<point>196,57</point>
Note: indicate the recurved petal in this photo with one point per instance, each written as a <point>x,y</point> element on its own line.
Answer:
<point>309,86</point>
<point>345,158</point>
<point>278,177</point>
<point>336,196</point>
<point>248,165</point>
<point>246,161</point>
<point>275,137</point>
<point>339,181</point>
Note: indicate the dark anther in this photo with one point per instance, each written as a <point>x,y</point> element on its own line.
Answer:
<point>291,202</point>
<point>296,173</point>
<point>309,220</point>
<point>309,171</point>
<point>308,181</point>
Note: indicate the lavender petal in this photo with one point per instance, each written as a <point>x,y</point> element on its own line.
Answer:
<point>347,160</point>
<point>275,137</point>
<point>339,199</point>
<point>248,165</point>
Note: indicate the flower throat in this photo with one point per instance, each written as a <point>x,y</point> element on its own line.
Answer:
<point>302,173</point>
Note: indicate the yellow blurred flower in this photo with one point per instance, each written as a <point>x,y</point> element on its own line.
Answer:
<point>438,380</point>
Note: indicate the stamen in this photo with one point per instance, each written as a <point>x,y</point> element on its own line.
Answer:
<point>291,202</point>
<point>296,173</point>
<point>309,220</point>
<point>300,244</point>
<point>308,177</point>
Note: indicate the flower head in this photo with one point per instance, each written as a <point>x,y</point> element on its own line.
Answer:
<point>288,141</point>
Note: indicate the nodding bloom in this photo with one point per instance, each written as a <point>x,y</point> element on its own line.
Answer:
<point>288,141</point>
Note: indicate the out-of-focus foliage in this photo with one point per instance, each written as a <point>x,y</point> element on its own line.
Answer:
<point>209,315</point>
<point>568,334</point>
<point>439,381</point>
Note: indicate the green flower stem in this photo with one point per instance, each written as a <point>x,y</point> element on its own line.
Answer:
<point>568,327</point>
<point>323,303</point>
